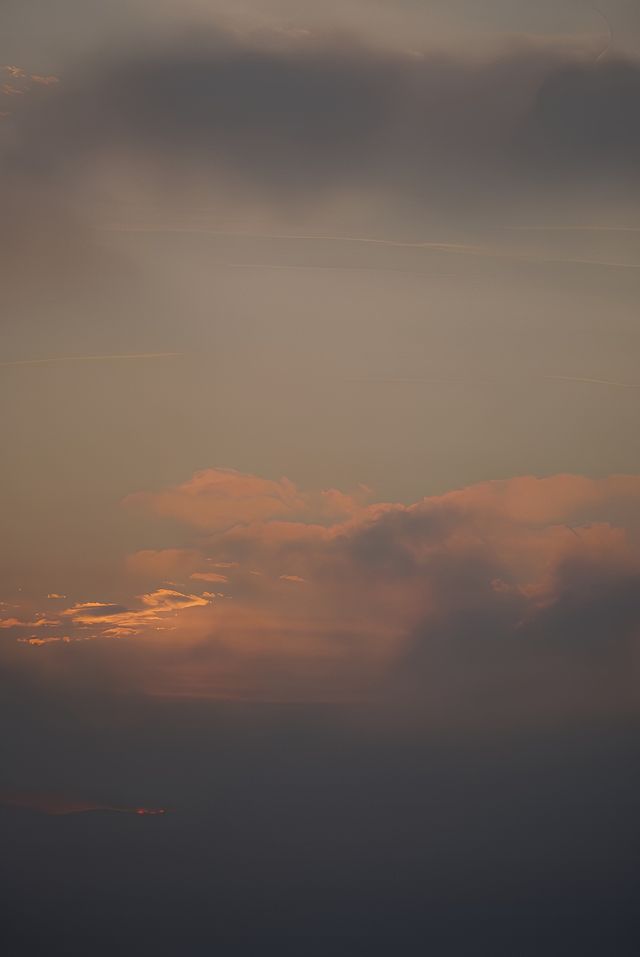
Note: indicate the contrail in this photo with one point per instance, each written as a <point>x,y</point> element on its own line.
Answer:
<point>609,41</point>
<point>576,229</point>
<point>308,237</point>
<point>492,380</point>
<point>422,380</point>
<point>305,267</point>
<point>588,381</point>
<point>109,358</point>
<point>468,249</point>
<point>567,261</point>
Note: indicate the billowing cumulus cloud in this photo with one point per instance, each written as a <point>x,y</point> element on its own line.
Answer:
<point>215,499</point>
<point>517,588</point>
<point>219,497</point>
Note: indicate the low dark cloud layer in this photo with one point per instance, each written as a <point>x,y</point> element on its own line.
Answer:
<point>306,826</point>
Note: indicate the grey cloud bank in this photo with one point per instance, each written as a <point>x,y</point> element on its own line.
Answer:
<point>298,121</point>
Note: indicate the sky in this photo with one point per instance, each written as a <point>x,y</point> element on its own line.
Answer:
<point>320,498</point>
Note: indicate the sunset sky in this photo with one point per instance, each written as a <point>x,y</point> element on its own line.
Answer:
<point>320,498</point>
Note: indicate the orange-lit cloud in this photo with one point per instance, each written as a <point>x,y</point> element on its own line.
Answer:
<point>325,601</point>
<point>15,71</point>
<point>40,622</point>
<point>20,80</point>
<point>209,577</point>
<point>118,621</point>
<point>546,501</point>
<point>48,80</point>
<point>51,639</point>
<point>217,499</point>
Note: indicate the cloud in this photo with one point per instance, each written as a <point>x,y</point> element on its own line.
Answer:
<point>44,80</point>
<point>528,500</point>
<point>17,83</point>
<point>166,600</point>
<point>51,639</point>
<point>220,497</point>
<point>312,115</point>
<point>583,118</point>
<point>119,621</point>
<point>515,597</point>
<point>40,622</point>
<point>310,135</point>
<point>216,499</point>
<point>209,577</point>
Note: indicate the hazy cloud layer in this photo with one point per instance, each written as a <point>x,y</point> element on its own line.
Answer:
<point>288,119</point>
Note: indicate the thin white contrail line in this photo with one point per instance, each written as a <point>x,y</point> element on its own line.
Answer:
<point>589,381</point>
<point>108,358</point>
<point>308,237</point>
<point>305,267</point>
<point>422,380</point>
<point>588,228</point>
<point>513,257</point>
<point>568,261</point>
<point>609,25</point>
<point>493,380</point>
<point>468,249</point>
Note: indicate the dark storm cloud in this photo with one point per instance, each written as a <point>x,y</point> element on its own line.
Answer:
<point>309,115</point>
<point>504,660</point>
<point>585,119</point>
